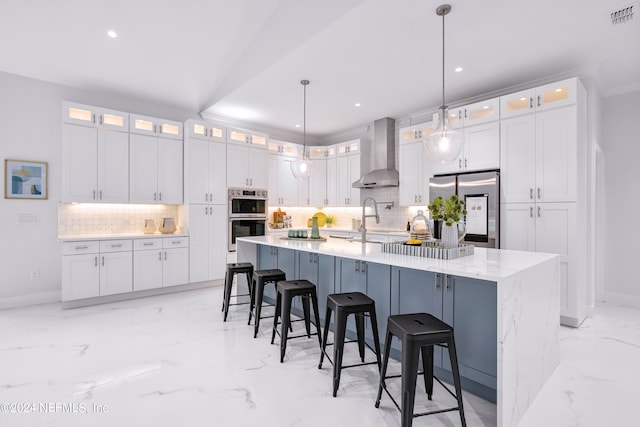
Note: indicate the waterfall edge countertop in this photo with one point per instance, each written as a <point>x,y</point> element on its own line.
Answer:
<point>485,263</point>
<point>526,317</point>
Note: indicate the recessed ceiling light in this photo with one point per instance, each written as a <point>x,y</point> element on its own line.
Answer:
<point>458,69</point>
<point>112,34</point>
<point>357,104</point>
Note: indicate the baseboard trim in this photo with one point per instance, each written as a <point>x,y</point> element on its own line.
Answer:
<point>622,299</point>
<point>30,299</point>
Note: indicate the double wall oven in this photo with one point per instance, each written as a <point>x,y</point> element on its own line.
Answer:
<point>247,214</point>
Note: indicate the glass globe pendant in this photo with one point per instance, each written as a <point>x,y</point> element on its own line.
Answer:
<point>302,167</point>
<point>444,144</point>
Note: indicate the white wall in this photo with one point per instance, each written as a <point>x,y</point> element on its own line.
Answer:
<point>30,129</point>
<point>621,146</point>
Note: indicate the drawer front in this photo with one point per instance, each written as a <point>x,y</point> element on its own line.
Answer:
<point>76,248</point>
<point>144,244</point>
<point>175,242</point>
<point>115,246</point>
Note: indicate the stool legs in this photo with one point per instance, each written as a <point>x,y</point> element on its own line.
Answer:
<point>427,368</point>
<point>408,383</point>
<point>385,363</point>
<point>325,336</point>
<point>376,339</point>
<point>228,283</point>
<point>453,357</point>
<point>338,349</point>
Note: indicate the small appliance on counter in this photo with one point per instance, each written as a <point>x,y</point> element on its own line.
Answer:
<point>168,226</point>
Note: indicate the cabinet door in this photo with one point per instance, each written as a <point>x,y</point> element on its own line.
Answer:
<point>354,174</point>
<point>274,193</point>
<point>482,147</point>
<point>217,241</point>
<point>113,167</point>
<point>237,166</point>
<point>170,171</point>
<point>556,95</point>
<point>287,183</point>
<point>143,169</point>
<point>80,277</point>
<point>79,152</point>
<point>116,273</point>
<point>318,183</point>
<point>470,306</point>
<point>258,168</point>
<point>175,267</point>
<point>411,182</point>
<point>286,261</point>
<point>516,104</point>
<point>378,278</point>
<point>332,182</point>
<point>217,173</point>
<point>199,243</point>
<point>481,112</point>
<point>147,270</point>
<point>518,226</point>
<point>556,155</point>
<point>303,192</point>
<point>517,159</point>
<point>267,258</point>
<point>349,275</point>
<point>198,170</point>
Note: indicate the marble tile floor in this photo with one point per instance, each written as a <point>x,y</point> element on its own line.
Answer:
<point>170,360</point>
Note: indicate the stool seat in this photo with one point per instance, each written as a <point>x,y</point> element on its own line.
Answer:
<point>234,268</point>
<point>261,278</point>
<point>418,333</point>
<point>286,291</point>
<point>344,304</point>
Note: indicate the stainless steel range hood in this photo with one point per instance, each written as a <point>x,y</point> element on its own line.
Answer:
<point>384,157</point>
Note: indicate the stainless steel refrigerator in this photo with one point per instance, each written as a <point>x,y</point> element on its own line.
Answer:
<point>481,193</point>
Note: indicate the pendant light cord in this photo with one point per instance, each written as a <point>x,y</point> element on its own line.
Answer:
<point>443,103</point>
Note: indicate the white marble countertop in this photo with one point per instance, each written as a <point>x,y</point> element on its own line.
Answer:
<point>111,236</point>
<point>484,264</point>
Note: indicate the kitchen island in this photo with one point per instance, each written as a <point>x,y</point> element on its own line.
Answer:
<point>504,305</point>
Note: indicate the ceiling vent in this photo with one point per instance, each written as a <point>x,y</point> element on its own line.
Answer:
<point>623,15</point>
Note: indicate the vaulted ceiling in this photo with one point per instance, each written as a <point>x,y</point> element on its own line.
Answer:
<point>244,59</point>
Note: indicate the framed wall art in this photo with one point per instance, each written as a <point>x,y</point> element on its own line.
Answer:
<point>24,179</point>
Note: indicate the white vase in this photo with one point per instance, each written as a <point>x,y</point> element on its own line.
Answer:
<point>450,237</point>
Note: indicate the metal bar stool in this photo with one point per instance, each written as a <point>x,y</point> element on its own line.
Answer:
<point>233,269</point>
<point>287,290</point>
<point>419,332</point>
<point>343,305</point>
<point>261,278</point>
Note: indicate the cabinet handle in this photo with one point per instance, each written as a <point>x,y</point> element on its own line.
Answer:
<point>465,113</point>
<point>102,261</point>
<point>160,196</point>
<point>419,134</point>
<point>176,242</point>
<point>364,267</point>
<point>81,247</point>
<point>459,114</point>
<point>251,179</point>
<point>165,255</point>
<point>447,281</point>
<point>357,266</point>
<point>154,196</point>
<point>93,117</point>
<point>530,211</point>
<point>459,163</point>
<point>94,195</point>
<point>531,193</point>
<point>100,193</point>
<point>466,162</point>
<point>538,192</point>
<point>436,282</point>
<point>211,197</point>
<point>538,211</point>
<point>95,261</point>
<point>116,246</point>
<point>160,256</point>
<point>538,100</point>
<point>530,102</point>
<point>147,244</point>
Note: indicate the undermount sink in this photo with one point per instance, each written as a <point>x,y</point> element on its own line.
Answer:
<point>367,241</point>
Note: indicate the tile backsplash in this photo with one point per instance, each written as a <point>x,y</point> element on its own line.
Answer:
<point>103,218</point>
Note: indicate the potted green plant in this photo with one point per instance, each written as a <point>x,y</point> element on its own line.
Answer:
<point>447,211</point>
<point>330,220</point>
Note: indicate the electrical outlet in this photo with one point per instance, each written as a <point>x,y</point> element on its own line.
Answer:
<point>35,274</point>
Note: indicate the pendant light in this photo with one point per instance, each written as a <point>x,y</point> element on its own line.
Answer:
<point>444,144</point>
<point>302,166</point>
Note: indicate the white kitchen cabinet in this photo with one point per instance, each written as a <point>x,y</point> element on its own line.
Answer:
<point>145,125</point>
<point>205,167</point>
<point>247,137</point>
<point>542,98</point>
<point>94,268</point>
<point>322,185</point>
<point>415,171</point>
<point>207,242</point>
<point>415,133</point>
<point>159,262</point>
<point>481,150</point>
<point>283,148</point>
<point>475,114</point>
<point>538,157</point>
<point>205,131</point>
<point>155,171</point>
<point>247,167</point>
<point>347,171</point>
<point>332,181</point>
<point>318,183</point>
<point>283,186</point>
<point>95,152</point>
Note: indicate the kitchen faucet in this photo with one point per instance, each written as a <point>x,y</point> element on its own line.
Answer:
<point>363,226</point>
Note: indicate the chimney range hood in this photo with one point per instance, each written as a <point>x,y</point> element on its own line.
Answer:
<point>384,157</point>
